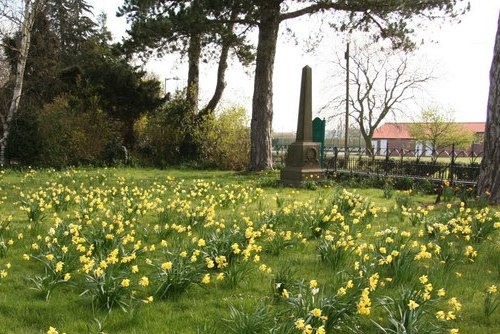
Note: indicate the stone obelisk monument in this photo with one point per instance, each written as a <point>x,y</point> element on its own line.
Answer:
<point>302,161</point>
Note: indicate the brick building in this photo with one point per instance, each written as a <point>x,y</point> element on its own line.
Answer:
<point>397,140</point>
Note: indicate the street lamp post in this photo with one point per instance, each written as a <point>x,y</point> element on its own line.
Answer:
<point>166,79</point>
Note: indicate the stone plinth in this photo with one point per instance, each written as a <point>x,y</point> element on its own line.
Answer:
<point>302,164</point>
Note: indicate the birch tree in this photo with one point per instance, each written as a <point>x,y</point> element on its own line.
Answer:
<point>22,19</point>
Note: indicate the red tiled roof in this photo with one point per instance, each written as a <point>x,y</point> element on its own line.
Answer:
<point>400,130</point>
<point>476,127</point>
<point>392,130</point>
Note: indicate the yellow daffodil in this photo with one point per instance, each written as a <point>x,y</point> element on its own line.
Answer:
<point>144,281</point>
<point>166,265</point>
<point>412,305</point>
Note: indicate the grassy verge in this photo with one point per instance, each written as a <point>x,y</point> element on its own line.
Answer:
<point>179,251</point>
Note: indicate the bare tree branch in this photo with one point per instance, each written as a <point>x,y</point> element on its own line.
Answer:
<point>382,82</point>
<point>321,6</point>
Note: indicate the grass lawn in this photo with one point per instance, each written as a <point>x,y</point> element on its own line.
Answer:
<point>180,251</point>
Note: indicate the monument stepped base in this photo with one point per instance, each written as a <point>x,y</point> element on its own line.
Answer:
<point>295,176</point>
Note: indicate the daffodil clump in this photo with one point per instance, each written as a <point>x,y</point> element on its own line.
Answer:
<point>420,309</point>
<point>35,205</point>
<point>314,311</point>
<point>418,215</point>
<point>5,242</point>
<point>491,300</point>
<point>403,199</point>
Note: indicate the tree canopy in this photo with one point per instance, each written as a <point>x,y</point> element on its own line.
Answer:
<point>437,129</point>
<point>190,26</point>
<point>72,60</point>
<point>200,29</point>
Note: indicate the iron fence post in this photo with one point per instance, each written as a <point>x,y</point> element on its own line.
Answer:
<point>452,164</point>
<point>386,161</point>
<point>335,156</point>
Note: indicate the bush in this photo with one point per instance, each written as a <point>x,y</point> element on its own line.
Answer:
<point>424,186</point>
<point>403,183</point>
<point>224,140</point>
<point>174,135</point>
<point>70,136</point>
<point>162,136</point>
<point>466,171</point>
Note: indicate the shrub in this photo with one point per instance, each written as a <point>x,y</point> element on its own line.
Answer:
<point>403,183</point>
<point>175,134</point>
<point>224,139</point>
<point>70,136</point>
<point>161,135</point>
<point>424,186</point>
<point>466,171</point>
<point>388,190</point>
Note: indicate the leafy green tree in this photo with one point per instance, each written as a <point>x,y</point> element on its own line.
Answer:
<point>91,70</point>
<point>200,29</point>
<point>125,92</point>
<point>72,23</point>
<point>437,129</point>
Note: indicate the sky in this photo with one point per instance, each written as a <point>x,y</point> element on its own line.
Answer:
<point>460,55</point>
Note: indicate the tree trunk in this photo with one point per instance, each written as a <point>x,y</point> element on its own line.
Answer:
<point>367,135</point>
<point>193,83</point>
<point>30,11</point>
<point>221,80</point>
<point>368,146</point>
<point>262,104</point>
<point>489,177</point>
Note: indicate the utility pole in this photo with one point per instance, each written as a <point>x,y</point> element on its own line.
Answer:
<point>346,138</point>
